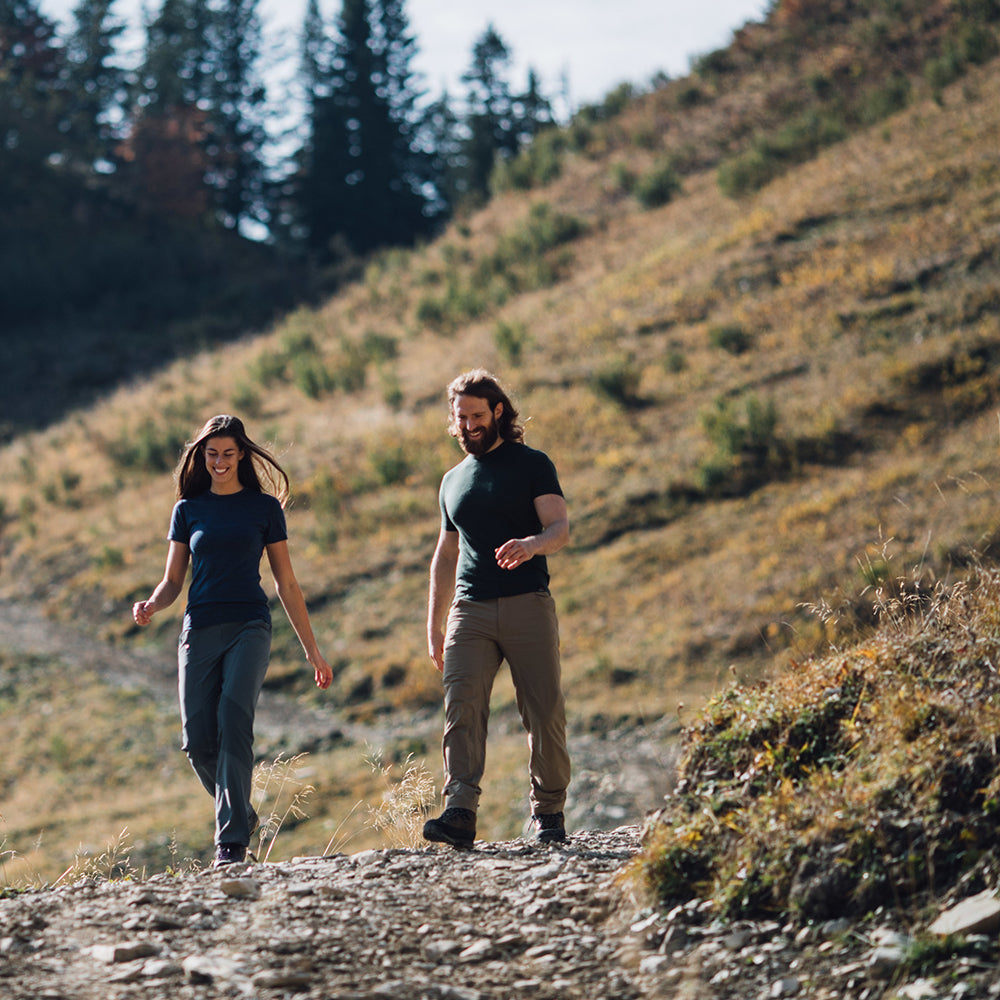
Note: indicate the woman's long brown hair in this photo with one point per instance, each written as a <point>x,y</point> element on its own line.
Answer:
<point>258,469</point>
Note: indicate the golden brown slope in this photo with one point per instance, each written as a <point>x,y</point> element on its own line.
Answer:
<point>857,295</point>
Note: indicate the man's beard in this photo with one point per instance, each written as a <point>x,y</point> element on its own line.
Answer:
<point>480,445</point>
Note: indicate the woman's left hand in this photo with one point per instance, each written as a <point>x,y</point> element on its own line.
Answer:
<point>323,672</point>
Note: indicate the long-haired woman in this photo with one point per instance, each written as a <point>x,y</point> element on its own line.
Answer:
<point>229,512</point>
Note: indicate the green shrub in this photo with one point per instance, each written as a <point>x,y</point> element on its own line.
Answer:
<point>675,361</point>
<point>510,340</point>
<point>623,178</point>
<point>770,156</point>
<point>391,465</point>
<point>942,71</point>
<point>379,347</point>
<point>246,400</point>
<point>538,164</point>
<point>351,367</point>
<point>311,376</point>
<point>618,381</point>
<point>432,312</point>
<point>887,99</point>
<point>731,338</point>
<point>155,445</point>
<point>392,391</point>
<point>977,44</point>
<point>268,367</point>
<point>659,185</point>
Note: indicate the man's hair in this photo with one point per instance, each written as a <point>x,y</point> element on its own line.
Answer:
<point>480,383</point>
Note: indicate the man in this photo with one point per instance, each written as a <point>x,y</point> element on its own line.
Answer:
<point>502,513</point>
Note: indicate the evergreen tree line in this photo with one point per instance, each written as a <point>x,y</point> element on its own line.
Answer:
<point>178,148</point>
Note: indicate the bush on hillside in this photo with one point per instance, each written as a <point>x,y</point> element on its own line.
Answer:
<point>771,155</point>
<point>659,185</point>
<point>865,778</point>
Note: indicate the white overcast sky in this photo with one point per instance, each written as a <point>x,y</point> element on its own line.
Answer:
<point>592,45</point>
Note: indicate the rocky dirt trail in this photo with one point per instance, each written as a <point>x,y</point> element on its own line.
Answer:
<point>505,920</point>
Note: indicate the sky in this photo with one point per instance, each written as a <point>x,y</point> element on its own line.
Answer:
<point>583,48</point>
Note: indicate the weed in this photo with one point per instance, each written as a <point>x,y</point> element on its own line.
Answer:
<point>111,865</point>
<point>278,783</point>
<point>406,800</point>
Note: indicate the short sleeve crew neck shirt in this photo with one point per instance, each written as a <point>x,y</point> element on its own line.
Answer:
<point>226,534</point>
<point>490,499</point>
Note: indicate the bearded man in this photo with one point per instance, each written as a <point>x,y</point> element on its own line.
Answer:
<point>502,513</point>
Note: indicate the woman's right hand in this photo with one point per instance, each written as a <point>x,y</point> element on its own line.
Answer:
<point>141,613</point>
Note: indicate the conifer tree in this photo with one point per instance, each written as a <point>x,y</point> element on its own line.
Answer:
<point>236,99</point>
<point>30,65</point>
<point>94,83</point>
<point>489,121</point>
<point>363,173</point>
<point>165,151</point>
<point>497,123</point>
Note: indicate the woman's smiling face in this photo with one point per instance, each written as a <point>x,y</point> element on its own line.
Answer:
<point>222,459</point>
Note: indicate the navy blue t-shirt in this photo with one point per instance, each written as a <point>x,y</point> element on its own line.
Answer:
<point>490,499</point>
<point>226,534</point>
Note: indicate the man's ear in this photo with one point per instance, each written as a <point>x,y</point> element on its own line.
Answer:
<point>497,410</point>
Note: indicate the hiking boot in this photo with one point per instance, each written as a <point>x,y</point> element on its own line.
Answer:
<point>229,854</point>
<point>550,828</point>
<point>454,826</point>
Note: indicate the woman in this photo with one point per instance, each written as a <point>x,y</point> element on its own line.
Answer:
<point>230,510</point>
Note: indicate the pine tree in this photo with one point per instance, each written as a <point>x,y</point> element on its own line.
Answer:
<point>363,173</point>
<point>497,123</point>
<point>489,121</point>
<point>30,65</point>
<point>94,84</point>
<point>236,98</point>
<point>165,153</point>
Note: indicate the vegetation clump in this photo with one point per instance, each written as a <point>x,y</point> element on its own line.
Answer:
<point>866,777</point>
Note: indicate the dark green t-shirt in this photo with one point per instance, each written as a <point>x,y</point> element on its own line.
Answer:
<point>489,500</point>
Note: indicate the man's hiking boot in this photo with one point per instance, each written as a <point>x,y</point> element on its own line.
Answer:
<point>454,826</point>
<point>229,854</point>
<point>550,828</point>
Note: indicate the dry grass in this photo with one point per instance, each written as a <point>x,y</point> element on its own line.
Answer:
<point>866,777</point>
<point>864,284</point>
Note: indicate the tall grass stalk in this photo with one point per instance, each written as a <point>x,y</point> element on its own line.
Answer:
<point>111,865</point>
<point>406,800</point>
<point>280,783</point>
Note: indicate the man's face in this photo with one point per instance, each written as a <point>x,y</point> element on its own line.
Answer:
<point>476,423</point>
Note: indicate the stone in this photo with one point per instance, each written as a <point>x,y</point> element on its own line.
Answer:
<point>240,888</point>
<point>979,914</point>
<point>127,951</point>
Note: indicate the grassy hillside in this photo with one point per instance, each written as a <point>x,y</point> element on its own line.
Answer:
<point>866,778</point>
<point>755,403</point>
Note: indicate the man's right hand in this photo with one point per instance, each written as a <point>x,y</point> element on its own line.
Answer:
<point>435,645</point>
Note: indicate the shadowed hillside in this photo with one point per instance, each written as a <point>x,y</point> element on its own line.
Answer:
<point>753,401</point>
